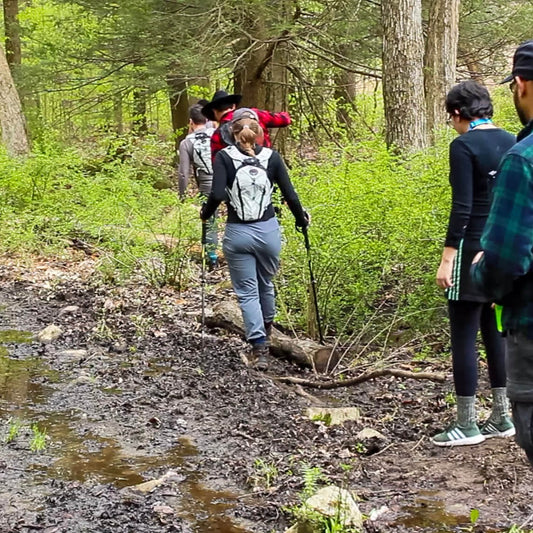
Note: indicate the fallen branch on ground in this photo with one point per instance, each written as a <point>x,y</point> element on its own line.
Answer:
<point>325,385</point>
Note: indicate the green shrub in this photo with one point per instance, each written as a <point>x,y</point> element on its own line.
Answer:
<point>377,232</point>
<point>56,197</point>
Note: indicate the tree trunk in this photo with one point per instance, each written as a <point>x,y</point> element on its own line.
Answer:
<point>277,98</point>
<point>179,108</point>
<point>440,60</point>
<point>249,81</point>
<point>140,125</point>
<point>12,121</point>
<point>117,113</point>
<point>12,32</point>
<point>403,80</point>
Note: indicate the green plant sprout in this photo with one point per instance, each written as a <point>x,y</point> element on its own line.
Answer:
<point>38,442</point>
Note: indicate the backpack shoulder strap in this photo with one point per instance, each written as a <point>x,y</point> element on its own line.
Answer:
<point>264,156</point>
<point>236,155</point>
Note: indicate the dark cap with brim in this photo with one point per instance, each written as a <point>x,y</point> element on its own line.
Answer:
<point>522,62</point>
<point>220,99</point>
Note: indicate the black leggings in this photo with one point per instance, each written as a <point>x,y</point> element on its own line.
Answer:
<point>466,318</point>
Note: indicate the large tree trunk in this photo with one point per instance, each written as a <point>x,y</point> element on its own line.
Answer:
<point>440,59</point>
<point>403,80</point>
<point>248,80</point>
<point>12,32</point>
<point>277,94</point>
<point>12,121</point>
<point>179,107</point>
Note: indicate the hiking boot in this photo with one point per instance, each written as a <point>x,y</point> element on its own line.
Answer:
<point>268,331</point>
<point>504,429</point>
<point>454,435</point>
<point>260,355</point>
<point>212,264</point>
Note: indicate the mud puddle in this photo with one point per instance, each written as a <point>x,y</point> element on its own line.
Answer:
<point>26,386</point>
<point>430,511</point>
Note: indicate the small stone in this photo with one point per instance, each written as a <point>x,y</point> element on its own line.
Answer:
<point>119,347</point>
<point>69,310</point>
<point>49,334</point>
<point>72,355</point>
<point>375,514</point>
<point>152,484</point>
<point>163,509</point>
<point>369,433</point>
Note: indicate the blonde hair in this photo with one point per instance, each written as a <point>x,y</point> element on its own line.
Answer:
<point>245,132</point>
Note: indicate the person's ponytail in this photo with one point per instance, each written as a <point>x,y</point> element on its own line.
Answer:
<point>246,132</point>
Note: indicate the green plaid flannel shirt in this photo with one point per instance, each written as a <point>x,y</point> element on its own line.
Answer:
<point>505,272</point>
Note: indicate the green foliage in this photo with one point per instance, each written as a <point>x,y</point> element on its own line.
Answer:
<point>313,520</point>
<point>13,430</point>
<point>266,473</point>
<point>56,199</point>
<point>377,230</point>
<point>38,442</point>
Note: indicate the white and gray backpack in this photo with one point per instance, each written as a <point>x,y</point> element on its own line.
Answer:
<point>201,150</point>
<point>251,191</point>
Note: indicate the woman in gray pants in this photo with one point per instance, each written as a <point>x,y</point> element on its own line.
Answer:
<point>244,175</point>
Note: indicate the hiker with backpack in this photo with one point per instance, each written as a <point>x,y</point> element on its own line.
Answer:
<point>244,175</point>
<point>221,109</point>
<point>195,154</point>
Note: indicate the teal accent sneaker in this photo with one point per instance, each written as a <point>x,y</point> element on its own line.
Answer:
<point>454,435</point>
<point>504,429</point>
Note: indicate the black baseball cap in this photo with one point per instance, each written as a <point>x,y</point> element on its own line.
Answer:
<point>522,62</point>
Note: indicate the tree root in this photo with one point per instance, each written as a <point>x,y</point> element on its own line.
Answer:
<point>328,385</point>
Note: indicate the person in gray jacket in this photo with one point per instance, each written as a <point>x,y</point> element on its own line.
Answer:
<point>195,159</point>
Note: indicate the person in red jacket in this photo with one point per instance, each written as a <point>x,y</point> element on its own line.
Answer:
<point>221,108</point>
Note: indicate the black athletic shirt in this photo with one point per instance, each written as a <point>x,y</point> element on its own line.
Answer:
<point>474,159</point>
<point>224,173</point>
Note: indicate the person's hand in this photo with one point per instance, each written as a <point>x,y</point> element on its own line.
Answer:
<point>444,274</point>
<point>477,258</point>
<point>307,216</point>
<point>202,211</point>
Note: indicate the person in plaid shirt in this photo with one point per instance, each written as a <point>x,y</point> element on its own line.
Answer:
<point>221,108</point>
<point>504,269</point>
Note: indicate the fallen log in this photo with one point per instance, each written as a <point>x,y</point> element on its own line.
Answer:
<point>304,352</point>
<point>371,374</point>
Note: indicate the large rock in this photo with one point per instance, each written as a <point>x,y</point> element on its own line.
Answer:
<point>49,334</point>
<point>332,416</point>
<point>334,502</point>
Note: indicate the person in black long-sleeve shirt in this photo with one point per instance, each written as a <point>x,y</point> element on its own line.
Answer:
<point>474,159</point>
<point>252,240</point>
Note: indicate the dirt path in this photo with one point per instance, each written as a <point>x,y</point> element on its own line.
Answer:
<point>126,395</point>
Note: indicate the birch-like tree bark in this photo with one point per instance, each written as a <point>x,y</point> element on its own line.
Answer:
<point>440,60</point>
<point>12,120</point>
<point>403,79</point>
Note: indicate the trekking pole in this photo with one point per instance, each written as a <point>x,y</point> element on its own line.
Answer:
<point>313,284</point>
<point>204,242</point>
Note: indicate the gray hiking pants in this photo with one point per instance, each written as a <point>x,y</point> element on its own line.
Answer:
<point>252,253</point>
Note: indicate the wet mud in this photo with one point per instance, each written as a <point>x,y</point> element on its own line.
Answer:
<point>125,424</point>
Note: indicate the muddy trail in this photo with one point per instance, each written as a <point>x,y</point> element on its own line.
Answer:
<point>127,396</point>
